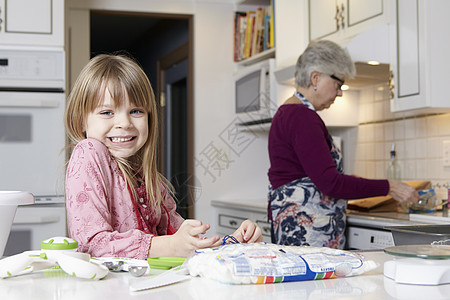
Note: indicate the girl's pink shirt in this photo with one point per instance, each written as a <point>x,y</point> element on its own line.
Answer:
<point>100,211</point>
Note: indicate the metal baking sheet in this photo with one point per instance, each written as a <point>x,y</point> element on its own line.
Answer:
<point>420,234</point>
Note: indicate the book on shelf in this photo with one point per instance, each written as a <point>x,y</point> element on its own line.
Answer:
<point>253,32</point>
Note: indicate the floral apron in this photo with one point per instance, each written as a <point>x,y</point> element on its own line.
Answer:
<point>301,215</point>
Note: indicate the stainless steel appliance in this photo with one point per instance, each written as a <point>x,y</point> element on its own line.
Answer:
<point>32,140</point>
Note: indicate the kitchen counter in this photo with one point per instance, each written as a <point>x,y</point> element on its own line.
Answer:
<point>371,285</point>
<point>354,217</point>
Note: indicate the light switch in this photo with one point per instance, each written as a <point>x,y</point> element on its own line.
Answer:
<point>446,153</point>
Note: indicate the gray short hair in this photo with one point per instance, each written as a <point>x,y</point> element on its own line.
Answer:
<point>325,57</point>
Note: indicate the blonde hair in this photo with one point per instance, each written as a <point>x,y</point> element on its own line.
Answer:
<point>325,57</point>
<point>122,76</point>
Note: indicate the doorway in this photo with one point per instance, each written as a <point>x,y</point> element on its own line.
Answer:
<point>161,43</point>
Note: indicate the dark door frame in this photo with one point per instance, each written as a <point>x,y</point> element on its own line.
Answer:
<point>181,53</point>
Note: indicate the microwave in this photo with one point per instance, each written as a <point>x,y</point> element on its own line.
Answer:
<point>255,93</point>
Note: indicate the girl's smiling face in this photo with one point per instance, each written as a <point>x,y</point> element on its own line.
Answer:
<point>123,128</point>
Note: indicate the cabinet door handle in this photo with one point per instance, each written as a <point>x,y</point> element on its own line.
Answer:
<point>391,84</point>
<point>342,16</point>
<point>232,223</point>
<point>336,17</point>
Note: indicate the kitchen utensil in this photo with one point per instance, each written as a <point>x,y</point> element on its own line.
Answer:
<point>418,271</point>
<point>56,251</point>
<point>136,267</point>
<point>171,276</point>
<point>420,251</point>
<point>9,200</point>
<point>428,202</point>
<point>114,266</point>
<point>165,262</point>
<point>137,271</point>
<point>419,264</point>
<point>419,234</point>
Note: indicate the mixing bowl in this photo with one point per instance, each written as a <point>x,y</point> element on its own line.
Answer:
<point>9,200</point>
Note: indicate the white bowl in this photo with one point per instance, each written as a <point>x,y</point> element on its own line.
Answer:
<point>9,200</point>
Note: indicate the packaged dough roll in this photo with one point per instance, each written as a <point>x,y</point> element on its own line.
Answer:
<point>262,263</point>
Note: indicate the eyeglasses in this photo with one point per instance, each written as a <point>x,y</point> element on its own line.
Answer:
<point>340,81</point>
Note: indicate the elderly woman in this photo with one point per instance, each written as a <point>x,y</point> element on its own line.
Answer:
<point>308,187</point>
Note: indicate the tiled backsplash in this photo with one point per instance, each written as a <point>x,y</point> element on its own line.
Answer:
<point>418,140</point>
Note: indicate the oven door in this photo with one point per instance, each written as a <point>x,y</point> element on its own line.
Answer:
<point>33,224</point>
<point>32,140</point>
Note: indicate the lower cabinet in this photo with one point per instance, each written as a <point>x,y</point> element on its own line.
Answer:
<point>228,217</point>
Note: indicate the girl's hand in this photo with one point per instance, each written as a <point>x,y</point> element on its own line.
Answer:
<point>182,242</point>
<point>248,232</point>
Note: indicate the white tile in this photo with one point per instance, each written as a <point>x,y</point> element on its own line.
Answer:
<point>358,153</point>
<point>387,114</point>
<point>370,132</point>
<point>389,131</point>
<point>370,112</point>
<point>421,148</point>
<point>410,149</point>
<point>370,169</point>
<point>434,169</point>
<point>380,153</point>
<point>362,113</point>
<point>434,148</point>
<point>421,169</point>
<point>360,168</point>
<point>387,150</point>
<point>370,151</point>
<point>381,92</point>
<point>378,108</point>
<point>444,124</point>
<point>409,170</point>
<point>421,127</point>
<point>380,167</point>
<point>379,132</point>
<point>399,130</point>
<point>432,126</point>
<point>410,128</point>
<point>400,150</point>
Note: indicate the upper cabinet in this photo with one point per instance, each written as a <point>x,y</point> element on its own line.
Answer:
<point>341,19</point>
<point>420,68</point>
<point>32,22</point>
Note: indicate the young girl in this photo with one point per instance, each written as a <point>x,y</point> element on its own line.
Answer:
<point>118,204</point>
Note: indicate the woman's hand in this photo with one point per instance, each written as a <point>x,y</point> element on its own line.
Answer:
<point>248,232</point>
<point>184,241</point>
<point>402,192</point>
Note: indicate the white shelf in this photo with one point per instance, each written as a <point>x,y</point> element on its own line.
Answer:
<point>257,58</point>
<point>262,127</point>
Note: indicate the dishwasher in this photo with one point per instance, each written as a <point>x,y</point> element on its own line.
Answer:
<point>368,231</point>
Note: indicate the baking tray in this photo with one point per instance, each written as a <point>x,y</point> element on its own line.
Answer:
<point>420,235</point>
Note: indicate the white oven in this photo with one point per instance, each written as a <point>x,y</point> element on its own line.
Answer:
<point>32,141</point>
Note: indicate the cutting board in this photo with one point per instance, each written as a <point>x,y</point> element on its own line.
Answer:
<point>384,203</point>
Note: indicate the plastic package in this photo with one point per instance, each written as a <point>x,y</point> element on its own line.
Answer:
<point>262,263</point>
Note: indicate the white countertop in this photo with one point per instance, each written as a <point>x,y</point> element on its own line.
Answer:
<point>371,285</point>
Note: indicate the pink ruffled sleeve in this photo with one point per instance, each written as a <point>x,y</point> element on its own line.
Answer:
<point>100,214</point>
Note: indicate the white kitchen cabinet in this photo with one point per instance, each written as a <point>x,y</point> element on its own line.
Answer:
<point>339,20</point>
<point>32,22</point>
<point>228,215</point>
<point>420,70</point>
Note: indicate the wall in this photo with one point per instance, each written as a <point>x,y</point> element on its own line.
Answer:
<point>418,140</point>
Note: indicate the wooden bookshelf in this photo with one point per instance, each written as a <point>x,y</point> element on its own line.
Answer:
<point>253,32</point>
